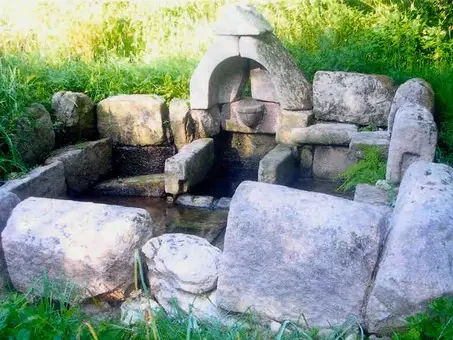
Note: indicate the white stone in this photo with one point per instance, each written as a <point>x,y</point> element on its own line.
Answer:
<point>352,97</point>
<point>186,262</point>
<point>279,166</point>
<point>189,166</point>
<point>84,163</point>
<point>195,201</point>
<point>414,137</point>
<point>416,264</point>
<point>89,245</point>
<point>136,310</point>
<point>415,91</point>
<point>134,120</point>
<point>223,203</point>
<point>293,90</point>
<point>44,181</point>
<point>370,194</point>
<point>324,134</point>
<point>241,20</point>
<point>330,161</point>
<point>290,252</point>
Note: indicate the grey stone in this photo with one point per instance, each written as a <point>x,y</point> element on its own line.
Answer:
<point>181,122</point>
<point>44,181</point>
<point>186,262</point>
<point>8,202</point>
<point>294,91</point>
<point>287,120</point>
<point>195,201</point>
<point>137,309</point>
<point>35,138</point>
<point>206,122</point>
<point>352,97</point>
<point>144,160</point>
<point>84,163</point>
<point>306,161</point>
<point>324,134</point>
<point>233,119</point>
<point>315,256</point>
<point>414,137</point>
<point>370,194</point>
<point>223,203</point>
<point>75,115</point>
<point>279,166</point>
<point>241,20</point>
<point>146,185</point>
<point>379,139</point>
<point>330,161</point>
<point>219,76</point>
<point>134,120</point>
<point>416,262</point>
<point>416,91</point>
<point>89,245</point>
<point>189,166</point>
<point>262,86</point>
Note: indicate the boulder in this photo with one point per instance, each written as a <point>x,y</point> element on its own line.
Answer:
<point>8,201</point>
<point>219,76</point>
<point>323,133</point>
<point>415,91</point>
<point>330,161</point>
<point>315,256</point>
<point>293,89</point>
<point>188,263</point>
<point>287,120</point>
<point>189,166</point>
<point>416,261</point>
<point>35,137</point>
<point>362,139</point>
<point>352,97</point>
<point>206,123</point>
<point>193,201</point>
<point>84,163</point>
<point>44,181</point>
<point>75,115</point>
<point>262,86</point>
<point>279,166</point>
<point>134,120</point>
<point>146,185</point>
<point>181,122</point>
<point>367,193</point>
<point>89,245</point>
<point>143,160</point>
<point>241,20</point>
<point>414,137</point>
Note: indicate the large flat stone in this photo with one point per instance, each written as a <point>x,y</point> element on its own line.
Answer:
<point>134,120</point>
<point>371,194</point>
<point>44,181</point>
<point>146,185</point>
<point>415,91</point>
<point>279,166</point>
<point>324,134</point>
<point>89,245</point>
<point>416,264</point>
<point>293,90</point>
<point>219,76</point>
<point>189,166</point>
<point>352,97</point>
<point>84,163</point>
<point>330,161</point>
<point>414,137</point>
<point>290,252</point>
<point>136,161</point>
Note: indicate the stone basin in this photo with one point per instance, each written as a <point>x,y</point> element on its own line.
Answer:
<point>250,112</point>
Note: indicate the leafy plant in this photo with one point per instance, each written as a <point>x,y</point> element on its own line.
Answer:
<point>368,170</point>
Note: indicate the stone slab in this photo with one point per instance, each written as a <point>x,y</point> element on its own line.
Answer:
<point>279,166</point>
<point>367,193</point>
<point>146,186</point>
<point>324,134</point>
<point>379,139</point>
<point>330,161</point>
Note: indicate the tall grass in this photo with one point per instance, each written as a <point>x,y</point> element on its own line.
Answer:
<point>109,47</point>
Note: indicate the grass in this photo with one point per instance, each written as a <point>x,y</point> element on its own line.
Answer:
<point>104,48</point>
<point>368,170</point>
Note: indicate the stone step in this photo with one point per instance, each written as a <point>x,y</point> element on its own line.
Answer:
<point>324,134</point>
<point>152,185</point>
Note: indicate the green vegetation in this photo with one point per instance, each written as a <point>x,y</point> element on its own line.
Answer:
<point>109,47</point>
<point>368,170</point>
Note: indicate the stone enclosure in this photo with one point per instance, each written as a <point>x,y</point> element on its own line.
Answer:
<point>286,251</point>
